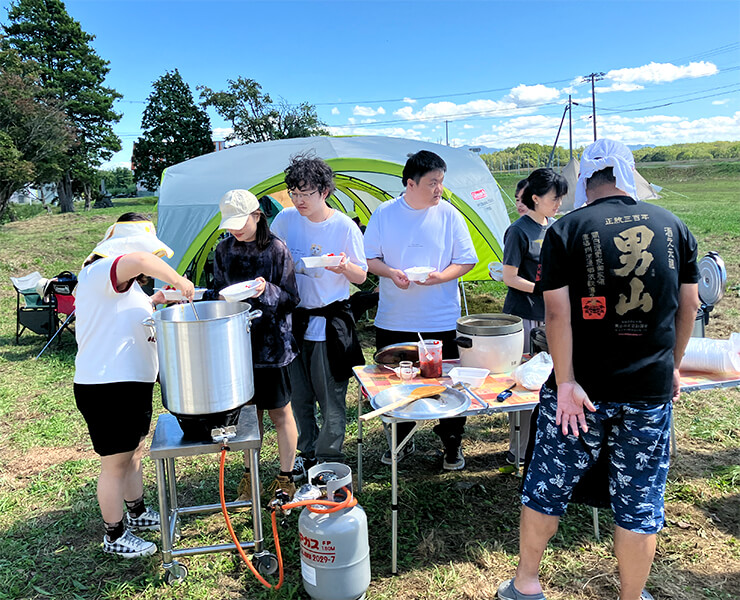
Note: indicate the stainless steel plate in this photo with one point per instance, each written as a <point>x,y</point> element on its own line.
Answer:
<point>447,404</point>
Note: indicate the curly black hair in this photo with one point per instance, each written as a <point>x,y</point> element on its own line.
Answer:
<point>306,172</point>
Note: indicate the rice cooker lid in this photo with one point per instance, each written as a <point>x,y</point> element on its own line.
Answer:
<point>712,278</point>
<point>489,324</point>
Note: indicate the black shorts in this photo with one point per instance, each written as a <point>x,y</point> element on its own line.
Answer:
<point>271,388</point>
<point>118,414</point>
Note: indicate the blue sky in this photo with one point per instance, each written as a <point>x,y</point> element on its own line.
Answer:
<point>499,72</point>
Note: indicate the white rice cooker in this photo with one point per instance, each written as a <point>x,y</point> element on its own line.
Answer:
<point>490,341</point>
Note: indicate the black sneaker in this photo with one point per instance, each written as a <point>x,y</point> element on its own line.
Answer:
<point>408,449</point>
<point>301,467</point>
<point>454,459</point>
<point>129,546</point>
<point>511,459</point>
<point>146,521</point>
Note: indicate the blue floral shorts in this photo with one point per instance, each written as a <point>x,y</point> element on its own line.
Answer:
<point>637,436</point>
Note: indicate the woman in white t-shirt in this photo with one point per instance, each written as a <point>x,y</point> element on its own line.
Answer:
<point>115,370</point>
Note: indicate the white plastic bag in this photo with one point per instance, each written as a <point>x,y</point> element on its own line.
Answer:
<point>712,356</point>
<point>533,373</point>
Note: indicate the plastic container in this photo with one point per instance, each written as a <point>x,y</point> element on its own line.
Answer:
<point>496,271</point>
<point>471,376</point>
<point>315,262</point>
<point>240,291</point>
<point>176,295</point>
<point>432,366</point>
<point>418,273</point>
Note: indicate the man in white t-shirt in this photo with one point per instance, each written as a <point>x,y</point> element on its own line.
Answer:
<point>322,324</point>
<point>419,229</point>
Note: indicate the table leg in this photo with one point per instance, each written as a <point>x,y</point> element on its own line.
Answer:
<point>517,439</point>
<point>164,512</point>
<point>253,455</point>
<point>394,498</point>
<point>359,439</point>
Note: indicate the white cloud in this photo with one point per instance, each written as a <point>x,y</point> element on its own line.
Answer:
<point>720,102</point>
<point>619,87</point>
<point>221,133</point>
<point>450,110</point>
<point>526,95</point>
<point>662,72</point>
<point>369,121</point>
<point>466,126</point>
<point>367,111</point>
<point>409,101</point>
<point>335,111</point>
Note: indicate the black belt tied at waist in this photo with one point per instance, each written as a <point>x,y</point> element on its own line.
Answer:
<point>342,344</point>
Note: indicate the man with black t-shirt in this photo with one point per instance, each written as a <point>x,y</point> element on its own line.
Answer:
<point>620,285</point>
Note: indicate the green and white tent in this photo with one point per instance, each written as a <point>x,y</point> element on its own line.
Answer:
<point>368,172</point>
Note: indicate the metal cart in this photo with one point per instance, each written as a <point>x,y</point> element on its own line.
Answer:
<point>168,444</point>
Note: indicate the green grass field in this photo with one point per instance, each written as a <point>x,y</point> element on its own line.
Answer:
<point>458,531</point>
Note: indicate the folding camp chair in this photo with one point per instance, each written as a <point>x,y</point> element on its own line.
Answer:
<point>33,313</point>
<point>60,289</point>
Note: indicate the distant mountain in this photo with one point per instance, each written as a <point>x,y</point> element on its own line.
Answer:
<point>480,149</point>
<point>638,146</point>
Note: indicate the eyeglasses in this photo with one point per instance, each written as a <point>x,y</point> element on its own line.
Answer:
<point>301,196</point>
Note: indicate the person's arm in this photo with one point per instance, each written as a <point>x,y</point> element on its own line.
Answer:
<point>379,268</point>
<point>688,305</point>
<point>451,272</point>
<point>132,265</point>
<point>513,280</point>
<point>571,396</point>
<point>355,273</point>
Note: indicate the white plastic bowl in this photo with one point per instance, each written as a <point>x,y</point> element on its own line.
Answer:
<point>418,273</point>
<point>176,295</point>
<point>496,271</point>
<point>239,291</point>
<point>471,376</point>
<point>315,262</point>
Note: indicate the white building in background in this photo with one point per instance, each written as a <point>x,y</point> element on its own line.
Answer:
<point>46,194</point>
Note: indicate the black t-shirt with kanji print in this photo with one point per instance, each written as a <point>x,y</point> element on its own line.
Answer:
<point>623,262</point>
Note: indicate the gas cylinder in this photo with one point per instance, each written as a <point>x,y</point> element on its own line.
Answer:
<point>335,554</point>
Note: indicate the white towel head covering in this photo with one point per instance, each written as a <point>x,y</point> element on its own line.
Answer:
<point>124,237</point>
<point>601,154</point>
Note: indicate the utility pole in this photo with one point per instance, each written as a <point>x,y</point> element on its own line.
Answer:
<point>447,133</point>
<point>570,125</point>
<point>594,77</point>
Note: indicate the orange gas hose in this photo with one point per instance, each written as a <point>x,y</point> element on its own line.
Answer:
<point>348,502</point>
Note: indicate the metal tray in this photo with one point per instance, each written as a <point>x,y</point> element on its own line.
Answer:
<point>448,404</point>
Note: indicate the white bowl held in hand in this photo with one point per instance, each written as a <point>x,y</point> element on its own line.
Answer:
<point>496,271</point>
<point>240,291</point>
<point>327,260</point>
<point>176,295</point>
<point>418,273</point>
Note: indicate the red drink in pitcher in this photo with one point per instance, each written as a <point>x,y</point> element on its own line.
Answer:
<point>430,366</point>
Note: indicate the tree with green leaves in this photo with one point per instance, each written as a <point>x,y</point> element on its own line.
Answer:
<point>72,73</point>
<point>254,116</point>
<point>34,133</point>
<point>118,181</point>
<point>175,129</point>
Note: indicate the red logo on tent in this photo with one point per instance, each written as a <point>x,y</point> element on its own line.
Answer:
<point>479,194</point>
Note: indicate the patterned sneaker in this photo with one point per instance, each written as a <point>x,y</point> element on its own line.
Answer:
<point>282,483</point>
<point>301,466</point>
<point>129,546</point>
<point>148,520</point>
<point>454,459</point>
<point>408,449</point>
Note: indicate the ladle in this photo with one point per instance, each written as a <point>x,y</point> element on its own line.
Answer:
<point>195,312</point>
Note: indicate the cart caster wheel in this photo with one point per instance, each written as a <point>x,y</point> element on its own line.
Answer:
<point>267,564</point>
<point>176,574</point>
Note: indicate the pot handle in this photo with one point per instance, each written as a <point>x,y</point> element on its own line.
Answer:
<point>254,314</point>
<point>149,323</point>
<point>464,342</point>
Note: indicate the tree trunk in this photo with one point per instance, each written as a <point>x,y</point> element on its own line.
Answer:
<point>88,196</point>
<point>64,190</point>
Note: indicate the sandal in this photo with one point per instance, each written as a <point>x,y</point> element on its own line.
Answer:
<point>507,591</point>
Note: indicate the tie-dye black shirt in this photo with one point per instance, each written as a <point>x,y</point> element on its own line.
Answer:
<point>272,338</point>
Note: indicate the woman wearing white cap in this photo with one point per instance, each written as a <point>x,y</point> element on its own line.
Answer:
<point>115,370</point>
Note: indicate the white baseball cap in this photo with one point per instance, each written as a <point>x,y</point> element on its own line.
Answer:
<point>236,206</point>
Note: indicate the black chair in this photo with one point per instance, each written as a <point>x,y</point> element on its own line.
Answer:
<point>33,313</point>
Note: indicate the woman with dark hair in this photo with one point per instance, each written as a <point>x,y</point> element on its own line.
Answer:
<point>253,252</point>
<point>521,209</point>
<point>542,195</point>
<point>115,370</point>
